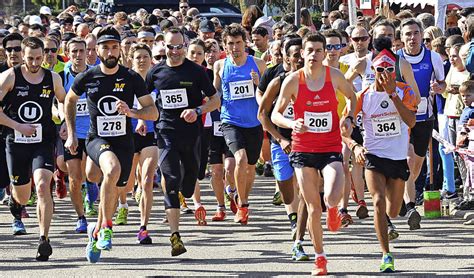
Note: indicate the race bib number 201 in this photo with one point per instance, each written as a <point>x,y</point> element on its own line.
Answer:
<point>111,126</point>
<point>241,89</point>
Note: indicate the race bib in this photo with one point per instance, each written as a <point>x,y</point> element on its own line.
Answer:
<point>385,127</point>
<point>37,137</point>
<point>218,129</point>
<point>241,89</point>
<point>173,99</point>
<point>422,107</point>
<point>111,126</point>
<point>318,122</point>
<point>81,107</point>
<point>289,112</point>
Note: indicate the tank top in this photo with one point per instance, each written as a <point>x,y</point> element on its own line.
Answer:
<point>423,72</point>
<point>239,105</point>
<point>288,113</point>
<point>82,111</point>
<point>31,103</point>
<point>319,111</point>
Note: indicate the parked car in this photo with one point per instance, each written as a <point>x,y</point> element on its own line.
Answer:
<point>225,18</point>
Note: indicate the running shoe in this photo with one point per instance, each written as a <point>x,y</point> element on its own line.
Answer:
<point>233,198</point>
<point>32,201</point>
<point>320,266</point>
<point>81,225</point>
<point>298,253</point>
<point>267,170</point>
<point>6,200</point>
<point>184,207</point>
<point>24,213</point>
<point>143,237</point>
<point>2,193</point>
<point>122,216</point>
<point>277,200</point>
<point>92,252</point>
<point>388,263</point>
<point>18,227</point>
<point>242,216</point>
<point>403,209</point>
<point>200,215</point>
<point>333,219</point>
<point>362,212</point>
<point>44,250</point>
<point>414,219</point>
<point>90,210</point>
<point>104,240</point>
<point>346,218</point>
<point>219,216</point>
<point>259,168</point>
<point>177,245</point>
<point>392,232</point>
<point>138,195</point>
<point>92,192</point>
<point>61,190</point>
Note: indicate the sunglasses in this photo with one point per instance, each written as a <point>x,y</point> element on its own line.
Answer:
<point>343,45</point>
<point>387,69</point>
<point>324,16</point>
<point>426,40</point>
<point>53,50</point>
<point>175,46</point>
<point>11,49</point>
<point>333,46</point>
<point>159,57</point>
<point>360,39</point>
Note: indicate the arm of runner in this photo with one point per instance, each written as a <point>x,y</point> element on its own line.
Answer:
<point>7,81</point>
<point>409,77</point>
<point>288,92</point>
<point>261,69</point>
<point>148,112</point>
<point>354,71</point>
<point>217,76</point>
<point>345,87</point>
<point>59,93</point>
<point>70,116</point>
<point>406,107</point>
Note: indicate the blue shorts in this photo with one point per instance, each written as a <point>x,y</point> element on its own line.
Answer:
<point>282,169</point>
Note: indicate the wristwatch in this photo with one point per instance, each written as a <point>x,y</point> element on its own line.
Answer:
<point>198,111</point>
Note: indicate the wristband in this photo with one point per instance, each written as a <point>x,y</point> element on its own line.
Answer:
<point>350,118</point>
<point>392,95</point>
<point>353,147</point>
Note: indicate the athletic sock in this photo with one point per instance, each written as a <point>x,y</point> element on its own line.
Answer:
<point>15,208</point>
<point>245,205</point>
<point>293,218</point>
<point>143,228</point>
<point>123,205</point>
<point>320,255</point>
<point>107,224</point>
<point>298,241</point>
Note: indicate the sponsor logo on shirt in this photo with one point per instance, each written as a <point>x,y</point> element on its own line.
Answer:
<point>186,83</point>
<point>45,93</point>
<point>119,87</point>
<point>22,94</point>
<point>384,104</point>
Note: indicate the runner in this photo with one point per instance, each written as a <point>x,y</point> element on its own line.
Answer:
<point>316,138</point>
<point>388,111</point>
<point>180,85</point>
<point>27,92</point>
<point>236,78</point>
<point>109,144</point>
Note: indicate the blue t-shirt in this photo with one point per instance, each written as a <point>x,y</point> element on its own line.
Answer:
<point>467,113</point>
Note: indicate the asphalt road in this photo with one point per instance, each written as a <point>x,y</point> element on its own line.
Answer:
<point>263,248</point>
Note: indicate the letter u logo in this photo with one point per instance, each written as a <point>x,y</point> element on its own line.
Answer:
<point>30,113</point>
<point>109,107</point>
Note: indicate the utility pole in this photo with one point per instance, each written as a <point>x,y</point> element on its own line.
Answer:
<point>298,13</point>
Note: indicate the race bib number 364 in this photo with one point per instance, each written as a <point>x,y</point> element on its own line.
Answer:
<point>111,126</point>
<point>241,89</point>
<point>318,122</point>
<point>386,127</point>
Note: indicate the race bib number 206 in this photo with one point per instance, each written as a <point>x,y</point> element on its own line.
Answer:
<point>318,122</point>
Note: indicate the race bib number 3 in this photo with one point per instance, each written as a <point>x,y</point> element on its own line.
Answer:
<point>37,137</point>
<point>385,127</point>
<point>81,107</point>
<point>318,122</point>
<point>422,107</point>
<point>174,99</point>
<point>111,126</point>
<point>218,129</point>
<point>241,89</point>
<point>289,112</point>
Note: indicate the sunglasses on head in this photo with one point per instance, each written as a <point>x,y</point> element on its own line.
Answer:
<point>387,69</point>
<point>175,46</point>
<point>333,46</point>
<point>11,49</point>
<point>360,39</point>
<point>53,50</point>
<point>159,57</point>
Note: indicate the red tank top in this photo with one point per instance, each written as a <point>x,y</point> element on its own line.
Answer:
<point>319,111</point>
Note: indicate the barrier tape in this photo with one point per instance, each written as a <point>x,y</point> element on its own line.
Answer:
<point>448,147</point>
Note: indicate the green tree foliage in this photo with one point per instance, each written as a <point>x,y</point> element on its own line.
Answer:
<point>53,4</point>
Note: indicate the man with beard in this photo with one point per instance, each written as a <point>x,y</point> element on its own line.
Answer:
<point>28,92</point>
<point>110,90</point>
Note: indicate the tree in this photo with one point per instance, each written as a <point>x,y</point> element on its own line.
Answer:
<point>53,4</point>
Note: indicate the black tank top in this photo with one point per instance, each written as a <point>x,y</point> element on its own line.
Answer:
<point>31,103</point>
<point>285,132</point>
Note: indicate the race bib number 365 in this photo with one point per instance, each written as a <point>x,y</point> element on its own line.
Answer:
<point>111,126</point>
<point>37,137</point>
<point>318,122</point>
<point>173,99</point>
<point>241,89</point>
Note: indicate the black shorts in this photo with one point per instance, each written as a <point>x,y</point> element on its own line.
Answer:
<point>24,159</point>
<point>420,136</point>
<point>59,149</point>
<point>205,138</point>
<point>217,149</point>
<point>357,135</point>
<point>313,160</point>
<point>122,147</point>
<point>250,139</point>
<point>4,177</point>
<point>81,148</point>
<point>142,142</point>
<point>394,169</point>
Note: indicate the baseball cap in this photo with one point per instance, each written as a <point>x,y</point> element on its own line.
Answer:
<point>165,24</point>
<point>67,36</point>
<point>107,34</point>
<point>207,26</point>
<point>35,19</point>
<point>4,33</point>
<point>77,20</point>
<point>45,10</point>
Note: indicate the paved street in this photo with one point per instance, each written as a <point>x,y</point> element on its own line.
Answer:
<point>442,247</point>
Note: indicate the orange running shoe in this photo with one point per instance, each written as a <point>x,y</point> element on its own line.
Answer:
<point>333,219</point>
<point>242,216</point>
<point>200,215</point>
<point>320,266</point>
<point>219,216</point>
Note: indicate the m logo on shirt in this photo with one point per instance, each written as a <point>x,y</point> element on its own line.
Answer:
<point>118,87</point>
<point>45,93</point>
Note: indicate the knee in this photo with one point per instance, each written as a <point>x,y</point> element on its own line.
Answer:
<point>112,171</point>
<point>147,181</point>
<point>379,204</point>
<point>332,200</point>
<point>75,179</point>
<point>217,175</point>
<point>314,212</point>
<point>43,190</point>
